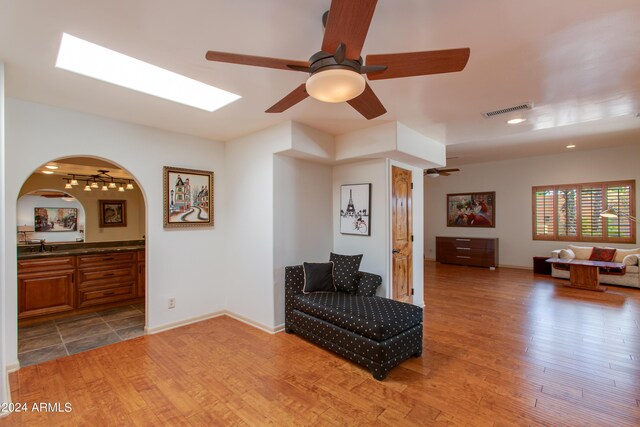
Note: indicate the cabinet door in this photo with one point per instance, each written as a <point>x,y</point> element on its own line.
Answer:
<point>45,293</point>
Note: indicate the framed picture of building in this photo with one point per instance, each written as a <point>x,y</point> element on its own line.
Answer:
<point>355,209</point>
<point>471,209</point>
<point>113,213</point>
<point>55,219</point>
<point>188,198</point>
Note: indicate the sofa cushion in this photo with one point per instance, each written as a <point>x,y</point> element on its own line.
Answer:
<point>566,254</point>
<point>621,253</point>
<point>630,260</point>
<point>345,274</point>
<point>373,317</point>
<point>318,277</point>
<point>633,269</point>
<point>582,252</point>
<point>602,254</point>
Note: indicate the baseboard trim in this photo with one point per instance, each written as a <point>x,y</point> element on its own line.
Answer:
<point>185,322</point>
<point>258,325</point>
<point>517,267</point>
<point>191,320</point>
<point>13,367</point>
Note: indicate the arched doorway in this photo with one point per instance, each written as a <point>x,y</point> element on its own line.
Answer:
<point>81,258</point>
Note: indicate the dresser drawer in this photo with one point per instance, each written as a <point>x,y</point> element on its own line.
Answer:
<point>481,252</point>
<point>46,264</point>
<point>115,273</point>
<point>102,296</point>
<point>110,258</point>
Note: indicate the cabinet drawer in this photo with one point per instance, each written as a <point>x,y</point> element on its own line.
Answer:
<point>110,258</point>
<point>46,264</point>
<point>115,273</point>
<point>102,296</point>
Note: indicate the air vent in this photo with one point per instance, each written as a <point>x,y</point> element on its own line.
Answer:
<point>521,107</point>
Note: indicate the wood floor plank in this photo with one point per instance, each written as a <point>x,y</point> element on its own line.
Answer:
<point>501,348</point>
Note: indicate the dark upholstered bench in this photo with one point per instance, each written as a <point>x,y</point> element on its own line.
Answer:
<point>375,332</point>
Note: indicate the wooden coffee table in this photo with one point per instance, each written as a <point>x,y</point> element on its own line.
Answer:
<point>585,274</point>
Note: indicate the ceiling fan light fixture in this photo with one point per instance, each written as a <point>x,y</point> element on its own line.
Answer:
<point>335,85</point>
<point>432,174</point>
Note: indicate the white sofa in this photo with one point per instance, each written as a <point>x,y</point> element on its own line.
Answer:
<point>631,277</point>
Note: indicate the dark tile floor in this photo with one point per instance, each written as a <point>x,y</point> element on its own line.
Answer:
<point>71,335</point>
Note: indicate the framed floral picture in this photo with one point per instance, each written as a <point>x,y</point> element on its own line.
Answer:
<point>113,213</point>
<point>471,209</point>
<point>188,198</point>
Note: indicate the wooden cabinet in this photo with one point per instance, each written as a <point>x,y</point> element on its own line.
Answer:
<point>480,252</point>
<point>106,278</point>
<point>142,274</point>
<point>46,286</point>
<point>54,284</point>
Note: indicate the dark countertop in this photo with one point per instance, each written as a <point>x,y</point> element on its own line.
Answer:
<point>69,249</point>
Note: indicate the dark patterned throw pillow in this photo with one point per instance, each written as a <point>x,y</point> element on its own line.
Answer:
<point>602,254</point>
<point>345,272</point>
<point>318,277</point>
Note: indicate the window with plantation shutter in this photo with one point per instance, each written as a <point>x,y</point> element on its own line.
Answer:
<point>591,204</point>
<point>572,212</point>
<point>619,197</point>
<point>543,218</point>
<point>567,212</point>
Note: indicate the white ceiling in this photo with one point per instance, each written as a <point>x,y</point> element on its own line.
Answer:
<point>578,61</point>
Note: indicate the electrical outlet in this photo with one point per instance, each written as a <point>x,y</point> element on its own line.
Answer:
<point>172,303</point>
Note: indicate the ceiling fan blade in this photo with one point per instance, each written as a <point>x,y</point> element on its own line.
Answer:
<point>348,23</point>
<point>257,61</point>
<point>444,173</point>
<point>295,96</point>
<point>368,104</point>
<point>449,170</point>
<point>418,63</point>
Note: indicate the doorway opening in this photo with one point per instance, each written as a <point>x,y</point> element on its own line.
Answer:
<point>81,259</point>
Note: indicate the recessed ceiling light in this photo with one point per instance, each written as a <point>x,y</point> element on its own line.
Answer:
<point>571,146</point>
<point>516,121</point>
<point>89,59</point>
<point>48,172</point>
<point>51,167</point>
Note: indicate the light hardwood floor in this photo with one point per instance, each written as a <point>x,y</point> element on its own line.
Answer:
<point>503,347</point>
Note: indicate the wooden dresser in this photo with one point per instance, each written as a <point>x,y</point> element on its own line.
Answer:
<point>475,251</point>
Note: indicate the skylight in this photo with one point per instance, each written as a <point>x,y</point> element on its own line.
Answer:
<point>91,60</point>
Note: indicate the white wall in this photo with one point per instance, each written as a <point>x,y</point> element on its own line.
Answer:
<point>512,181</point>
<point>249,249</point>
<point>185,264</point>
<point>376,248</point>
<point>303,226</point>
<point>4,381</point>
<point>373,247</point>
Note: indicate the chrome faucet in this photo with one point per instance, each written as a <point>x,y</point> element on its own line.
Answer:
<point>42,247</point>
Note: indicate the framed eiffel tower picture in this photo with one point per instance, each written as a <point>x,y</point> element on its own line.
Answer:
<point>355,209</point>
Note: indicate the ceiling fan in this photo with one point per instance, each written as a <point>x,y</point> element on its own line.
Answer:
<point>434,173</point>
<point>336,71</point>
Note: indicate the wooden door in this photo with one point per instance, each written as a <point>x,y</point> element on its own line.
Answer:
<point>402,234</point>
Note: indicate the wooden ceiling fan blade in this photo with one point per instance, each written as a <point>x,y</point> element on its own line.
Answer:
<point>368,104</point>
<point>418,63</point>
<point>257,61</point>
<point>348,23</point>
<point>449,170</point>
<point>295,96</point>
